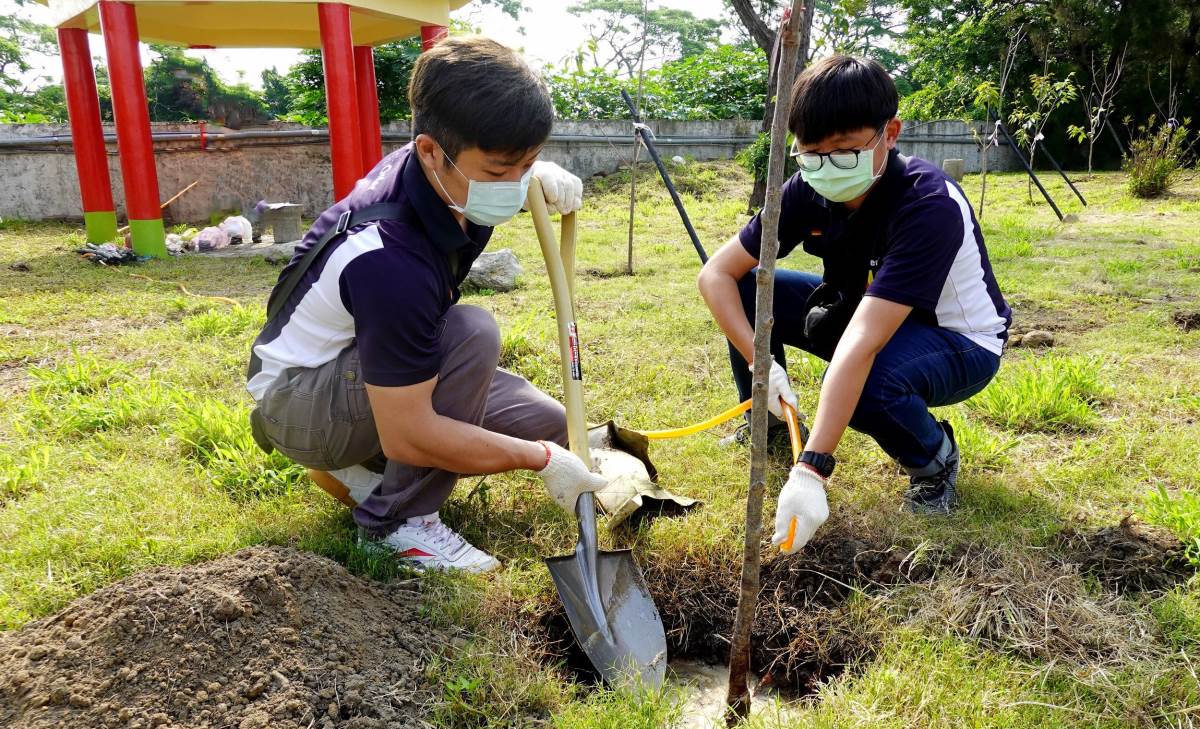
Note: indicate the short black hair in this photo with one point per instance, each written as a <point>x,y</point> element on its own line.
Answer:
<point>841,94</point>
<point>470,91</point>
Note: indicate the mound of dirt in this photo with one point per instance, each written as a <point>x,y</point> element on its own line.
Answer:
<point>1186,320</point>
<point>1130,557</point>
<point>266,637</point>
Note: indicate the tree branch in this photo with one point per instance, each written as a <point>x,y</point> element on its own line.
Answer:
<point>754,25</point>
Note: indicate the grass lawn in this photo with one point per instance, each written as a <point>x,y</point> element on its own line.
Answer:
<point>123,445</point>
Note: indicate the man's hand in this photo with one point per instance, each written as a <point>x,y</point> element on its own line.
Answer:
<point>802,509</point>
<point>566,477</point>
<point>563,191</point>
<point>778,386</point>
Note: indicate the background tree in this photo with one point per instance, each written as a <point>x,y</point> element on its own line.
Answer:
<point>1098,102</point>
<point>618,28</point>
<point>276,94</point>
<point>393,67</point>
<point>180,87</point>
<point>24,98</point>
<point>1046,95</point>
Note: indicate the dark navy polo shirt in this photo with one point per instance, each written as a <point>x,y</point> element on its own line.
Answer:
<point>385,286</point>
<point>914,241</point>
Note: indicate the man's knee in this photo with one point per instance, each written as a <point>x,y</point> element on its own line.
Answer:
<point>474,330</point>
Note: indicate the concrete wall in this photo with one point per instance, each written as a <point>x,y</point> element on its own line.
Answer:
<point>39,179</point>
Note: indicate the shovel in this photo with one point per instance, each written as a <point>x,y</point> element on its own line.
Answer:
<point>610,609</point>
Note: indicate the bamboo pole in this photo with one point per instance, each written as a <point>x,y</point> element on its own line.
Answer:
<point>738,698</point>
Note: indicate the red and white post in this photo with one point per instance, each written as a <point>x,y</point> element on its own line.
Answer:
<point>87,135</point>
<point>341,96</point>
<point>118,21</point>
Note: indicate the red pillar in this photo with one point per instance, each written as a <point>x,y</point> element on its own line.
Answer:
<point>337,57</point>
<point>91,157</point>
<point>118,21</point>
<point>431,34</point>
<point>368,107</point>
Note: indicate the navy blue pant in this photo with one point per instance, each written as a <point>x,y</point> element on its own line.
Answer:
<point>921,366</point>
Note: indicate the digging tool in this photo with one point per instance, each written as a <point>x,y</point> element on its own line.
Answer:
<point>612,614</point>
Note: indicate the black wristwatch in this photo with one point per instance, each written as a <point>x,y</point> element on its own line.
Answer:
<point>823,462</point>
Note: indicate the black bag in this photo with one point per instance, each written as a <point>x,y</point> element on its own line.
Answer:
<point>829,312</point>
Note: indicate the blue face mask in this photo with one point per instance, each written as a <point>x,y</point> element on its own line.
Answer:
<point>489,203</point>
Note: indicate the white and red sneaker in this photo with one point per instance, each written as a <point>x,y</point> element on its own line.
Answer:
<point>431,545</point>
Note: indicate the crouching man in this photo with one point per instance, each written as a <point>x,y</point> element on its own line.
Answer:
<point>906,311</point>
<point>368,367</point>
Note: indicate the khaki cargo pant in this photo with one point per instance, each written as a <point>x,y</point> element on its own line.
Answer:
<point>321,418</point>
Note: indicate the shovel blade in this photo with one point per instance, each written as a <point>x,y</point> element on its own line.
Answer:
<point>632,646</point>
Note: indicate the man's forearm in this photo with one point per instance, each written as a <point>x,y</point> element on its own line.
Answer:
<point>721,294</point>
<point>840,393</point>
<point>458,447</point>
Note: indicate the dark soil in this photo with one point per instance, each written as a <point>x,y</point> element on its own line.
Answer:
<point>807,629</point>
<point>1129,557</point>
<point>266,637</point>
<point>1188,321</point>
<point>803,632</point>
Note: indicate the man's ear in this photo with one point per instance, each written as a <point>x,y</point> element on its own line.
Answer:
<point>428,150</point>
<point>891,132</point>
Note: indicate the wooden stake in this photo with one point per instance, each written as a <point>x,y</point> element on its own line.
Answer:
<point>172,199</point>
<point>738,698</point>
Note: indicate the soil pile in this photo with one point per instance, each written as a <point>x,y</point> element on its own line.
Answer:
<point>1129,557</point>
<point>266,637</point>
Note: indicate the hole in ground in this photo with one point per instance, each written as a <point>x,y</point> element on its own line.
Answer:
<point>820,613</point>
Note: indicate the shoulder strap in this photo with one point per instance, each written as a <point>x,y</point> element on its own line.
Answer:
<point>348,220</point>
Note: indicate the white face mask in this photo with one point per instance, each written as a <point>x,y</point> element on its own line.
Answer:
<point>488,203</point>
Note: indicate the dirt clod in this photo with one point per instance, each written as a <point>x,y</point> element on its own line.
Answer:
<point>1130,557</point>
<point>267,637</point>
<point>1188,321</point>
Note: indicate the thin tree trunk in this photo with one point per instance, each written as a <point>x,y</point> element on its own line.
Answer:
<point>738,698</point>
<point>758,193</point>
<point>637,144</point>
<point>983,171</point>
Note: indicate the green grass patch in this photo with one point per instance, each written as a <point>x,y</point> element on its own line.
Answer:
<point>1180,514</point>
<point>227,322</point>
<point>216,439</point>
<point>1045,394</point>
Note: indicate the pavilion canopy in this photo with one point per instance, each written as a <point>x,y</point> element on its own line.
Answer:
<point>259,23</point>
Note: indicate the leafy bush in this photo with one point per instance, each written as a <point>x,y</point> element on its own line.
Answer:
<point>1051,393</point>
<point>757,156</point>
<point>1156,153</point>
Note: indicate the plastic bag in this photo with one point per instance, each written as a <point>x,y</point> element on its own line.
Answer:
<point>238,228</point>
<point>210,239</point>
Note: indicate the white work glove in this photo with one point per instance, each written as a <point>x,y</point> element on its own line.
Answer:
<point>778,386</point>
<point>563,191</point>
<point>803,501</point>
<point>566,477</point>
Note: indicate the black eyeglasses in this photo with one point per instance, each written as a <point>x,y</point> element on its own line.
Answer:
<point>843,159</point>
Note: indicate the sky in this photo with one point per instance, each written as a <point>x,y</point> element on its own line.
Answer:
<point>546,33</point>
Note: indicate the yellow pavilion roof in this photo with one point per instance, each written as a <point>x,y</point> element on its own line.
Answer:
<point>259,23</point>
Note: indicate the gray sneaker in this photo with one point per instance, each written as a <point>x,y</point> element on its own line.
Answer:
<point>934,493</point>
